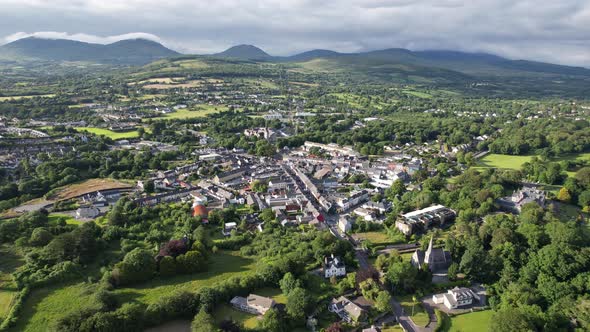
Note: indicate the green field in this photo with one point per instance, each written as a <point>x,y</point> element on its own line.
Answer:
<point>471,322</point>
<point>197,112</point>
<point>494,160</point>
<point>55,217</point>
<point>223,266</point>
<point>374,237</point>
<point>26,97</point>
<point>109,133</point>
<point>9,262</point>
<point>45,305</point>
<point>418,94</point>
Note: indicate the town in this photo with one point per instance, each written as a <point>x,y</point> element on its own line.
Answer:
<point>206,193</point>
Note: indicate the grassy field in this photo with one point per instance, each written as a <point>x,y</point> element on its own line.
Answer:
<point>418,94</point>
<point>374,237</point>
<point>420,316</point>
<point>223,265</point>
<point>54,218</point>
<point>109,133</point>
<point>198,112</point>
<point>44,306</point>
<point>494,160</point>
<point>9,262</point>
<point>475,321</point>
<point>26,97</point>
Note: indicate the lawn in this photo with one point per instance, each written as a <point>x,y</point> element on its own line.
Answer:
<point>44,306</point>
<point>374,237</point>
<point>223,266</point>
<point>9,262</point>
<point>109,133</point>
<point>420,316</point>
<point>475,321</point>
<point>54,218</point>
<point>197,112</point>
<point>493,160</point>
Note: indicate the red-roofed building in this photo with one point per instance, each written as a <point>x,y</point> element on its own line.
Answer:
<point>200,210</point>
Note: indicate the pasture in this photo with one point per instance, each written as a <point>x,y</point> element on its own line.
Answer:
<point>197,112</point>
<point>109,133</point>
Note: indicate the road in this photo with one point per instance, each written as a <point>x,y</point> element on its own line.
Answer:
<point>403,319</point>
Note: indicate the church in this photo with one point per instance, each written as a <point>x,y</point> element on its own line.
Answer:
<point>436,258</point>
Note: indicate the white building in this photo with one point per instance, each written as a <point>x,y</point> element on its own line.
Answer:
<point>334,267</point>
<point>89,212</point>
<point>345,223</point>
<point>456,297</point>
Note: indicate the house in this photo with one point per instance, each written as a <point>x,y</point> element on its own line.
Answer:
<point>347,310</point>
<point>412,222</point>
<point>366,214</point>
<point>528,194</point>
<point>229,175</point>
<point>435,258</point>
<point>253,304</point>
<point>373,328</point>
<point>228,227</point>
<point>345,223</point>
<point>87,212</point>
<point>354,199</point>
<point>199,210</point>
<point>457,297</point>
<point>334,267</point>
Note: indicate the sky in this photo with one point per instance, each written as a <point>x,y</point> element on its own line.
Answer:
<point>543,30</point>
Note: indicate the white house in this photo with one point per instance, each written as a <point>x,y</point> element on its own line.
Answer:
<point>345,223</point>
<point>228,227</point>
<point>456,297</point>
<point>254,304</point>
<point>334,267</point>
<point>87,212</point>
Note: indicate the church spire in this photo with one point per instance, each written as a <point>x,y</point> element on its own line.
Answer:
<point>428,253</point>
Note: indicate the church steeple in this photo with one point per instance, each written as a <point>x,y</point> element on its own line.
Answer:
<point>427,255</point>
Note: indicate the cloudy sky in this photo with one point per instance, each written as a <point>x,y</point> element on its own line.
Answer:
<point>545,30</point>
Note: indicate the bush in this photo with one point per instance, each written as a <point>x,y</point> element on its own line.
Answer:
<point>40,237</point>
<point>442,321</point>
<point>137,266</point>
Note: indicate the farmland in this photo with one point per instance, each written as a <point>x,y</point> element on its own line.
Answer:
<point>109,133</point>
<point>197,112</point>
<point>88,186</point>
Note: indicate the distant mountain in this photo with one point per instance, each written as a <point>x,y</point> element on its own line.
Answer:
<point>314,54</point>
<point>476,64</point>
<point>245,52</point>
<point>131,51</point>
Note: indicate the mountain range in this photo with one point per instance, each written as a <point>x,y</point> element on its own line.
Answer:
<point>142,51</point>
<point>130,51</point>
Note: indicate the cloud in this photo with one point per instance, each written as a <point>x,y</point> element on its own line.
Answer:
<point>544,30</point>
